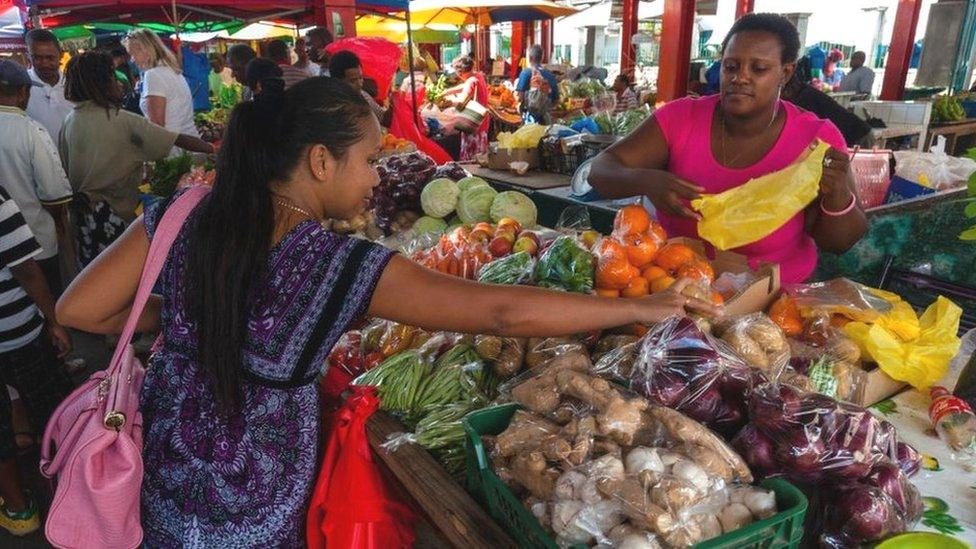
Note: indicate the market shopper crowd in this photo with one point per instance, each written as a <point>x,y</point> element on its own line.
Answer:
<point>255,291</point>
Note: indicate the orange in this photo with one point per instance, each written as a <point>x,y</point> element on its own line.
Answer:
<point>640,330</point>
<point>609,248</point>
<point>658,232</point>
<point>615,274</point>
<point>717,299</point>
<point>697,269</point>
<point>653,272</point>
<point>661,284</point>
<point>632,219</point>
<point>638,287</point>
<point>607,293</point>
<point>673,256</point>
<point>640,250</point>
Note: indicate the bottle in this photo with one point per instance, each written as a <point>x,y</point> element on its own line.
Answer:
<point>954,420</point>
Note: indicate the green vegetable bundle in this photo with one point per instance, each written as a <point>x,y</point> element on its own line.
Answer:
<point>510,270</point>
<point>166,174</point>
<point>948,109</point>
<point>565,265</point>
<point>627,121</point>
<point>398,380</point>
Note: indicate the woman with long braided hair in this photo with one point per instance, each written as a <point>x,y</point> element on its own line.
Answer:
<point>102,148</point>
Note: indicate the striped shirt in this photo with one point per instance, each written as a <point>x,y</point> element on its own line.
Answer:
<point>292,75</point>
<point>20,320</point>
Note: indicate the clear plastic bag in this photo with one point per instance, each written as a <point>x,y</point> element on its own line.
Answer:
<point>812,438</point>
<point>839,296</point>
<point>882,504</point>
<point>757,340</point>
<point>681,367</point>
<point>565,265</point>
<point>454,254</point>
<point>934,169</point>
<point>505,354</point>
<point>509,270</point>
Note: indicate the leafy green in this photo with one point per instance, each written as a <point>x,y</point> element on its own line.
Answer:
<point>166,173</point>
<point>565,265</point>
<point>604,122</point>
<point>627,121</point>
<point>510,270</point>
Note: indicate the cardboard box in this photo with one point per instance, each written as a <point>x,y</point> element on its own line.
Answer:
<point>499,159</point>
<point>758,295</point>
<point>874,386</point>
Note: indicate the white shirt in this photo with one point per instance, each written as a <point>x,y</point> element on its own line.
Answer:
<point>163,81</point>
<point>226,76</point>
<point>47,104</point>
<point>31,172</point>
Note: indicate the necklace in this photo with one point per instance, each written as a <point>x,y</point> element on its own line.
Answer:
<point>296,209</point>
<point>725,161</point>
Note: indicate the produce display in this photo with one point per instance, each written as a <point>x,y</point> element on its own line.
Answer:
<point>597,465</point>
<point>211,124</point>
<point>392,145</point>
<point>164,175</point>
<point>579,94</point>
<point>502,96</point>
<point>473,200</point>
<point>637,260</point>
<point>465,251</point>
<point>402,177</point>
<point>947,109</point>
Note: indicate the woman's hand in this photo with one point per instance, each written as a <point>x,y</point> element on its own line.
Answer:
<point>667,194</point>
<point>836,184</point>
<point>658,307</point>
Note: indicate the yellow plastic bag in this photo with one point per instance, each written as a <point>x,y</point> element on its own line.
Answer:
<point>526,137</point>
<point>921,360</point>
<point>754,210</point>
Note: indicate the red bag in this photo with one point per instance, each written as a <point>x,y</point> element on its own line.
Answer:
<point>404,126</point>
<point>351,507</point>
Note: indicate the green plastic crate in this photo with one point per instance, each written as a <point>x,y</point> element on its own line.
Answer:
<point>784,530</point>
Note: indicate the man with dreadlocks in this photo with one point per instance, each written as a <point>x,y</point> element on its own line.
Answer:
<point>103,147</point>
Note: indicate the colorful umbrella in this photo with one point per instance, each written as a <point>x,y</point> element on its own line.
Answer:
<point>484,12</point>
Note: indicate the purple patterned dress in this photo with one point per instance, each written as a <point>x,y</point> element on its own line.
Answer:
<point>245,481</point>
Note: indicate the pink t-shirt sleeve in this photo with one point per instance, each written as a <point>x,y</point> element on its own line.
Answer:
<point>832,136</point>
<point>673,119</point>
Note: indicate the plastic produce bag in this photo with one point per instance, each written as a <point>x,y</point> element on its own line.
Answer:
<point>754,210</point>
<point>526,137</point>
<point>510,270</point>
<point>681,367</point>
<point>934,169</point>
<point>841,296</point>
<point>565,265</point>
<point>351,506</point>
<point>812,438</point>
<point>920,361</point>
<point>505,354</point>
<point>757,340</point>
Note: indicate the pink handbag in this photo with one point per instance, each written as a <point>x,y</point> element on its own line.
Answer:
<point>95,435</point>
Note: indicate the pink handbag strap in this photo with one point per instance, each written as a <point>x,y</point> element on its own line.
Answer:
<point>166,232</point>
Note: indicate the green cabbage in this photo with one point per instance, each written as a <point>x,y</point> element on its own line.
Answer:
<point>439,197</point>
<point>475,204</point>
<point>470,181</point>
<point>515,205</point>
<point>427,224</point>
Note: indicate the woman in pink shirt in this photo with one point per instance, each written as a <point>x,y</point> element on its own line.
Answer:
<point>712,144</point>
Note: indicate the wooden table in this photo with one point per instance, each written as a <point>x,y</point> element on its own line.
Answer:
<point>533,180</point>
<point>952,132</point>
<point>441,500</point>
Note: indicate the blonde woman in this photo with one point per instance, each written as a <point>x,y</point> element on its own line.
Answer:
<point>165,97</point>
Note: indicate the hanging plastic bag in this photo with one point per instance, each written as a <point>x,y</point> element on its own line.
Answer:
<point>920,361</point>
<point>404,126</point>
<point>754,210</point>
<point>351,507</point>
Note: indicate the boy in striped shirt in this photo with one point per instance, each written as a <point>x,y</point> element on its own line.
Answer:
<point>31,341</point>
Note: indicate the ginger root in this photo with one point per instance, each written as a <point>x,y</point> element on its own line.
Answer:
<point>540,393</point>
<point>636,504</point>
<point>532,472</point>
<point>527,431</point>
<point>618,417</point>
<point>542,350</point>
<point>685,429</point>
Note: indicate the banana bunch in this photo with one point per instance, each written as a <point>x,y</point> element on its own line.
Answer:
<point>948,109</point>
